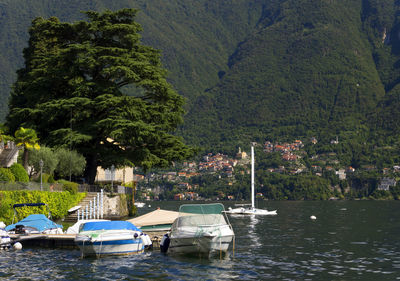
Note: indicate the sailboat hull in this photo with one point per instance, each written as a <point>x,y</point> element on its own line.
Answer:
<point>250,211</point>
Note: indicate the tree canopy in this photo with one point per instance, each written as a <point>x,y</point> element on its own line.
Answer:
<point>92,85</point>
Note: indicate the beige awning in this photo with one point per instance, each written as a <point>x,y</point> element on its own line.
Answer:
<point>155,218</point>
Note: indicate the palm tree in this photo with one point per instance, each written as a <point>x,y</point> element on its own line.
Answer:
<point>29,140</point>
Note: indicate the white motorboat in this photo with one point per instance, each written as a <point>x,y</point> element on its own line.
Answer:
<point>99,238</point>
<point>139,204</point>
<point>199,229</point>
<point>245,209</point>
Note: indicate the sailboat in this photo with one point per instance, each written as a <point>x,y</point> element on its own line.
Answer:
<point>250,210</point>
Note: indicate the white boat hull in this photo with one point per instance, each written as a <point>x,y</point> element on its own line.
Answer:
<point>109,243</point>
<point>209,240</point>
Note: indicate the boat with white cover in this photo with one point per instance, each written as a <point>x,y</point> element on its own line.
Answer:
<point>244,209</point>
<point>99,238</point>
<point>199,229</point>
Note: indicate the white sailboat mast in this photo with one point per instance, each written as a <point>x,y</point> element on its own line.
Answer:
<point>252,176</point>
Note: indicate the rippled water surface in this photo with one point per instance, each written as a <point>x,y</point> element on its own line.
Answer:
<point>349,240</point>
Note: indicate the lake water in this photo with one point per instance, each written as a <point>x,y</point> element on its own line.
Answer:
<point>349,240</point>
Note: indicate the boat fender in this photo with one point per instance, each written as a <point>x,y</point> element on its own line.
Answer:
<point>17,246</point>
<point>164,244</point>
<point>146,240</point>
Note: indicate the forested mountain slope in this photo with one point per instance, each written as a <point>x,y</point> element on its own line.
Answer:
<point>255,69</point>
<point>310,68</point>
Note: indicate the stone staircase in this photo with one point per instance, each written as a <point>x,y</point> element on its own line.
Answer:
<point>73,217</point>
<point>8,154</point>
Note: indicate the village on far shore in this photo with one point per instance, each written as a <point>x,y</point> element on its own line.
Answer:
<point>291,154</point>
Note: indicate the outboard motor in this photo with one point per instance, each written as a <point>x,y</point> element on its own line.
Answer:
<point>164,244</point>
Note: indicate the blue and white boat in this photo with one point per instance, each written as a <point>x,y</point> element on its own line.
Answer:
<point>98,238</point>
<point>34,224</point>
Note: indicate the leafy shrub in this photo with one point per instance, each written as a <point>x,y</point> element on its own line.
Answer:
<point>58,202</point>
<point>51,179</point>
<point>71,187</point>
<point>6,175</point>
<point>45,178</point>
<point>19,173</point>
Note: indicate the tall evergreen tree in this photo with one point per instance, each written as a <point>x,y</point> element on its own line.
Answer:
<point>94,86</point>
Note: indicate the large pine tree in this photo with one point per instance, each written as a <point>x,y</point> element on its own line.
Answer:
<point>94,86</point>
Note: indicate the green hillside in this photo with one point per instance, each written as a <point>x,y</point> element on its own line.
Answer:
<point>250,70</point>
<point>310,68</point>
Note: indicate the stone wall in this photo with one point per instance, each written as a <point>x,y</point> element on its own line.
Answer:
<point>115,206</point>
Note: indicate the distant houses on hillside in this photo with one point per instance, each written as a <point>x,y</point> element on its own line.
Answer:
<point>386,183</point>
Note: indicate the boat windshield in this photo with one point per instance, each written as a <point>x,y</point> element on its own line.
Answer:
<point>216,208</point>
<point>198,220</point>
<point>200,215</point>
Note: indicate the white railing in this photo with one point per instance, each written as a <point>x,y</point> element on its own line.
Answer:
<point>94,210</point>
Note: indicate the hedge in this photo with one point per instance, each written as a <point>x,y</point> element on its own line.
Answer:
<point>58,202</point>
<point>6,175</point>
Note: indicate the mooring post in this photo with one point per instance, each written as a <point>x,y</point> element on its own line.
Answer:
<point>98,205</point>
<point>94,207</point>
<point>90,210</point>
<point>101,204</point>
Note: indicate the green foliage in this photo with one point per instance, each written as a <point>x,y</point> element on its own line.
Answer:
<point>88,76</point>
<point>6,175</point>
<point>69,163</point>
<point>48,157</point>
<point>19,173</point>
<point>131,207</point>
<point>58,202</point>
<point>71,187</point>
<point>299,187</point>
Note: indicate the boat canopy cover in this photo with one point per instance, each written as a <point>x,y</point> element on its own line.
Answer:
<point>204,209</point>
<point>196,220</point>
<point>38,221</point>
<point>75,228</point>
<point>108,225</point>
<point>155,217</point>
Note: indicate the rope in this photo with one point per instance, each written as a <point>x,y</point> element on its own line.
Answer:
<point>101,245</point>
